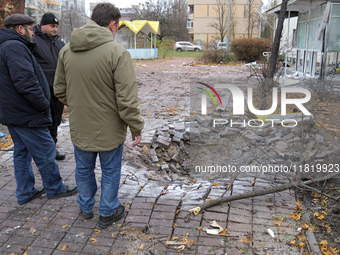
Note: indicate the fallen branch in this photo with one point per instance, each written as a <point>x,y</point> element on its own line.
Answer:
<point>257,193</point>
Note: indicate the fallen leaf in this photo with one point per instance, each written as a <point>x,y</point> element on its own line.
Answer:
<point>64,248</point>
<point>113,234</point>
<point>65,226</point>
<point>97,231</point>
<point>316,214</point>
<point>278,218</point>
<point>245,240</point>
<point>199,228</point>
<point>215,184</point>
<point>298,203</point>
<point>323,242</point>
<point>175,238</point>
<point>93,240</point>
<point>277,223</point>
<point>32,230</point>
<point>321,217</point>
<point>141,247</point>
<point>292,242</point>
<point>44,218</point>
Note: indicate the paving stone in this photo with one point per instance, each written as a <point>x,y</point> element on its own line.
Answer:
<point>77,235</point>
<point>162,215</point>
<point>96,249</point>
<point>219,208</point>
<point>71,246</point>
<point>141,212</point>
<point>40,250</point>
<point>147,206</point>
<point>181,232</point>
<point>215,216</point>
<point>239,212</point>
<point>144,199</point>
<point>45,243</point>
<point>237,218</point>
<point>215,241</point>
<point>165,208</point>
<point>137,218</point>
<point>14,248</point>
<point>239,227</point>
<point>161,222</point>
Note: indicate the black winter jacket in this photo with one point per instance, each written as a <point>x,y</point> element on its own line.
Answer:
<point>24,92</point>
<point>46,53</point>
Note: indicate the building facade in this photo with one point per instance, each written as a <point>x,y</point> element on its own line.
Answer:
<point>203,14</point>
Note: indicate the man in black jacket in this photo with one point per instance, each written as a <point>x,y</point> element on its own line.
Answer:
<point>46,53</point>
<point>25,110</point>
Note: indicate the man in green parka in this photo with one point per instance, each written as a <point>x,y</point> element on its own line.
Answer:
<point>95,78</point>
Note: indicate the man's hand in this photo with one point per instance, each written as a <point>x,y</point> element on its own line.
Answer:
<point>138,139</point>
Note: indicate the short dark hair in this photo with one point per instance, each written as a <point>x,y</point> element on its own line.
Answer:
<point>104,13</point>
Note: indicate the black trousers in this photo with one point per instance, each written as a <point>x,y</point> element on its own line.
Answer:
<point>58,110</point>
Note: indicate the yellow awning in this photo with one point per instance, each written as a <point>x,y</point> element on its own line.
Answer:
<point>144,26</point>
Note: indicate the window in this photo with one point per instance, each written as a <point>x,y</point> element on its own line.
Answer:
<point>191,8</point>
<point>190,24</point>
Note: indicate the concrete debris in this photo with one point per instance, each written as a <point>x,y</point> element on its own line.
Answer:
<point>231,143</point>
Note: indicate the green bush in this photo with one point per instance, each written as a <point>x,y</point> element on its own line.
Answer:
<point>215,57</point>
<point>250,49</point>
<point>165,46</point>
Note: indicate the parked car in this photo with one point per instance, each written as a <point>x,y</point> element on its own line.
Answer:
<point>187,46</point>
<point>222,46</point>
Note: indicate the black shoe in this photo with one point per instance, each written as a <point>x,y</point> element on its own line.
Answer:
<point>68,191</point>
<point>86,216</point>
<point>105,222</point>
<point>40,191</point>
<point>59,156</point>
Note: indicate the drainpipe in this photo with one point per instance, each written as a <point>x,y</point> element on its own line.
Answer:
<point>307,39</point>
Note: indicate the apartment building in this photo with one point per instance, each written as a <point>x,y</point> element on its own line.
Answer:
<point>37,8</point>
<point>203,13</point>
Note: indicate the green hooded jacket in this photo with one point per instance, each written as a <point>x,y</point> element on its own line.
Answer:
<point>95,78</point>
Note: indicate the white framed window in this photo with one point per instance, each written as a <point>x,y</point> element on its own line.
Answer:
<point>190,24</point>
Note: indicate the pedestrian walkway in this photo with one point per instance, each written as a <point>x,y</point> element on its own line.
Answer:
<point>157,212</point>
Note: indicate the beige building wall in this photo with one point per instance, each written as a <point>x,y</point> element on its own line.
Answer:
<point>204,14</point>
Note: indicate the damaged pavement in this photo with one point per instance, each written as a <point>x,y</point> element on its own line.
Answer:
<point>160,184</point>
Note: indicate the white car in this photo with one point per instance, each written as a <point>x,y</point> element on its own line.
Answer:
<point>222,46</point>
<point>187,46</point>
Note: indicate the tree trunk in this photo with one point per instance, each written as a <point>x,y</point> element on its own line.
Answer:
<point>280,188</point>
<point>276,44</point>
<point>9,7</point>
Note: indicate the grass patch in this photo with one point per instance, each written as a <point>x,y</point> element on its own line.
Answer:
<point>183,54</point>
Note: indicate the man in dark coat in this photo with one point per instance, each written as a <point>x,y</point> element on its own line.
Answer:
<point>25,110</point>
<point>46,52</point>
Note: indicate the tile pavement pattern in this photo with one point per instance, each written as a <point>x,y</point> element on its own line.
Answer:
<point>55,227</point>
<point>45,226</point>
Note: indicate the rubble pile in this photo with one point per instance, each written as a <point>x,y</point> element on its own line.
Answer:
<point>168,147</point>
<point>242,145</point>
<point>184,147</point>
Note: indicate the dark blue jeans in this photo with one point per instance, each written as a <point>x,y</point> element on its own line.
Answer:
<point>110,162</point>
<point>38,144</point>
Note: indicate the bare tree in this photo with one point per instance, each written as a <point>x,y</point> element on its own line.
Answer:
<point>72,16</point>
<point>253,18</point>
<point>171,14</point>
<point>221,23</point>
